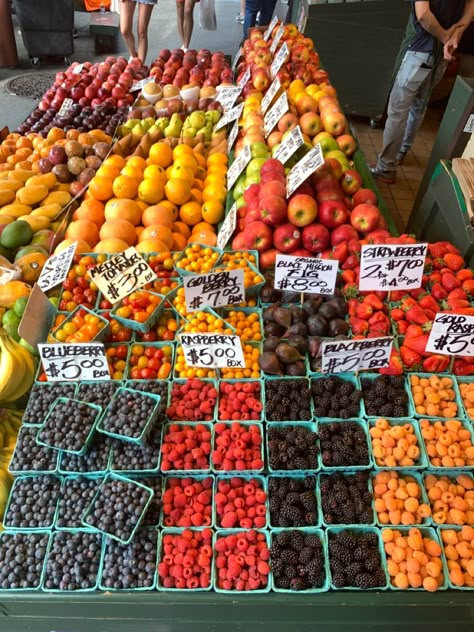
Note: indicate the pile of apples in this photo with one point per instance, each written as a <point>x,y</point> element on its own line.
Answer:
<point>191,68</point>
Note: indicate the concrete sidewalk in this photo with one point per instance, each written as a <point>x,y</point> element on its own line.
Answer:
<point>162,34</point>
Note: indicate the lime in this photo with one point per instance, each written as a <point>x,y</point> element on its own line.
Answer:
<point>12,331</point>
<point>11,318</point>
<point>54,300</point>
<point>28,347</point>
<point>20,305</point>
<point>16,234</point>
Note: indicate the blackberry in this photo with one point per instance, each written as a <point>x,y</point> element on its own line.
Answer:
<point>312,541</point>
<point>306,555</point>
<point>308,500</point>
<point>292,498</point>
<point>298,583</point>
<point>296,540</point>
<point>288,400</point>
<point>338,579</point>
<point>283,539</point>
<point>276,565</point>
<point>289,557</point>
<point>398,411</point>
<point>290,572</point>
<point>363,580</point>
<point>282,582</point>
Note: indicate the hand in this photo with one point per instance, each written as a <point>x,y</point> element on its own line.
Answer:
<point>451,45</point>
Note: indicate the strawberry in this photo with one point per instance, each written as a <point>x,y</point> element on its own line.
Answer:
<point>417,315</point>
<point>449,281</point>
<point>353,246</point>
<point>397,314</point>
<point>352,304</point>
<point>373,300</point>
<point>397,295</point>
<point>411,359</point>
<point>379,317</point>
<point>395,366</point>
<point>438,292</point>
<point>351,262</point>
<point>465,274</point>
<point>359,326</point>
<point>468,286</point>
<point>458,293</point>
<point>417,344</point>
<point>348,276</point>
<point>340,252</point>
<point>436,363</point>
<point>350,290</point>
<point>402,326</point>
<point>457,303</point>
<point>437,250</point>
<point>364,310</point>
<point>460,367</point>
<point>430,314</point>
<point>379,329</point>
<point>414,331</point>
<point>453,262</point>
<point>428,302</point>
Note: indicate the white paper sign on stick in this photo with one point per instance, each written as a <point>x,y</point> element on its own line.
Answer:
<point>469,127</point>
<point>227,228</point>
<point>270,28</point>
<point>65,107</point>
<point>291,143</point>
<point>392,266</point>
<point>354,355</point>
<point>305,274</point>
<point>245,77</point>
<point>122,274</point>
<point>452,334</point>
<point>270,93</point>
<point>277,38</point>
<point>78,69</point>
<point>213,351</point>
<point>74,362</point>
<point>214,289</point>
<point>56,268</point>
<point>229,116</point>
<point>238,166</point>
<point>312,161</point>
<point>274,114</point>
<point>234,130</point>
<point>280,58</point>
<point>227,95</point>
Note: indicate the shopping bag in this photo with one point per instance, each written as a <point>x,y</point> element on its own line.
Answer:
<point>207,15</point>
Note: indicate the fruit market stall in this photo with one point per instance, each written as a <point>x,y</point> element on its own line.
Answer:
<point>229,392</point>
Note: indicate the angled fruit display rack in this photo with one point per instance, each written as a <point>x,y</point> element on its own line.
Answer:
<point>277,443</point>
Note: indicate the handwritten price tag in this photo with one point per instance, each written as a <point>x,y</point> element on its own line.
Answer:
<point>277,38</point>
<point>227,228</point>
<point>269,95</point>
<point>245,77</point>
<point>227,95</point>
<point>292,142</point>
<point>214,289</point>
<point>452,334</point>
<point>73,362</point>
<point>213,351</point>
<point>392,266</point>
<point>56,268</point>
<point>270,28</point>
<point>280,58</point>
<point>65,107</point>
<point>355,355</point>
<point>305,274</point>
<point>122,275</point>
<point>229,116</point>
<point>138,85</point>
<point>312,161</point>
<point>238,166</point>
<point>275,113</point>
<point>234,130</point>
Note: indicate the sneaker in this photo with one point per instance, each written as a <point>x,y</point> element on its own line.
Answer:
<point>401,157</point>
<point>387,177</point>
<point>239,18</point>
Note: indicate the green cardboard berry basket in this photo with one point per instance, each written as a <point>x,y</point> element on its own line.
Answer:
<point>292,474</point>
<point>50,453</point>
<point>457,397</point>
<point>104,450</point>
<point>418,477</point>
<point>341,524</point>
<point>347,377</point>
<point>133,324</point>
<point>29,418</point>
<point>5,535</point>
<point>362,423</point>
<point>246,424</point>
<point>135,470</point>
<point>441,469</point>
<point>451,475</point>
<point>410,408</point>
<point>440,529</point>
<point>311,427</point>
<point>17,482</point>
<point>198,478</point>
<point>464,380</point>
<point>322,538</point>
<point>422,461</point>
<point>247,478</point>
<point>247,311</point>
<point>146,345</point>
<point>66,481</point>
<point>182,272</point>
<point>210,428</point>
<point>99,337</point>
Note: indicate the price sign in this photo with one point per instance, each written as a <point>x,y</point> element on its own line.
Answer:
<point>452,334</point>
<point>56,268</point>
<point>305,274</point>
<point>291,143</point>
<point>392,266</point>
<point>229,116</point>
<point>78,69</point>
<point>213,351</point>
<point>280,58</point>
<point>270,93</point>
<point>65,107</point>
<point>234,130</point>
<point>227,228</point>
<point>354,355</point>
<point>238,166</point>
<point>73,362</point>
<point>245,77</point>
<point>238,55</point>
<point>312,161</point>
<point>227,95</point>
<point>277,38</point>
<point>121,275</point>
<point>214,289</point>
<point>138,85</point>
<point>270,28</point>
<point>275,113</point>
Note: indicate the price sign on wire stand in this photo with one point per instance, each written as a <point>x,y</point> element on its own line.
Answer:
<point>227,228</point>
<point>289,145</point>
<point>277,38</point>
<point>270,93</point>
<point>56,268</point>
<point>392,266</point>
<point>354,355</point>
<point>234,130</point>
<point>270,28</point>
<point>274,114</point>
<point>312,161</point>
<point>280,58</point>
<point>122,274</point>
<point>214,289</point>
<point>305,274</point>
<point>213,351</point>
<point>227,95</point>
<point>229,116</point>
<point>452,334</point>
<point>245,77</point>
<point>239,164</point>
<point>74,362</point>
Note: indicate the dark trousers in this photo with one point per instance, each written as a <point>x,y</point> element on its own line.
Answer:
<point>252,7</point>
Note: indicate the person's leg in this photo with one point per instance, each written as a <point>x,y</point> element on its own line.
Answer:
<point>127,9</point>
<point>180,19</point>
<point>241,15</point>
<point>252,7</point>
<point>188,22</point>
<point>410,76</point>
<point>266,12</point>
<point>144,15</point>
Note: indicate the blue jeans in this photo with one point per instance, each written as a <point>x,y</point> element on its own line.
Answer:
<point>252,7</point>
<point>407,105</point>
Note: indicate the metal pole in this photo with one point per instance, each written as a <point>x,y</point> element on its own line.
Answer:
<point>8,51</point>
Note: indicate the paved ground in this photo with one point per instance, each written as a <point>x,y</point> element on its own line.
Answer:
<point>162,34</point>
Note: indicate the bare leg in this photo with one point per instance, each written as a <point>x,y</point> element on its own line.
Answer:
<point>242,8</point>
<point>127,9</point>
<point>188,23</point>
<point>144,15</point>
<point>180,20</point>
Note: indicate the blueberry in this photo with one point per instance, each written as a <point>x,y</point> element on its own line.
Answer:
<point>128,413</point>
<point>68,425</point>
<point>128,457</point>
<point>95,459</point>
<point>21,559</point>
<point>132,565</point>
<point>42,397</point>
<point>73,561</point>
<point>99,393</point>
<point>29,455</point>
<point>33,501</point>
<point>76,496</point>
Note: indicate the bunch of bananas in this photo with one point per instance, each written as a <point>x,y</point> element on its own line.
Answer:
<point>17,369</point>
<point>10,422</point>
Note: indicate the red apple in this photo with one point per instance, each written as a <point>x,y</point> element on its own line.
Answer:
<point>364,196</point>
<point>330,193</point>
<point>258,236</point>
<point>272,187</point>
<point>287,122</point>
<point>333,122</point>
<point>272,164</point>
<point>272,176</point>
<point>382,222</point>
<point>333,213</point>
<point>323,178</point>
<point>345,232</point>
<point>272,209</point>
<point>238,243</point>
<point>302,209</point>
<point>347,144</point>
<point>286,238</point>
<point>252,215</point>
<point>305,189</point>
<point>267,259</point>
<point>351,181</point>
<point>302,252</point>
<point>334,166</point>
<point>250,192</point>
<point>315,237</point>
<point>365,217</point>
<point>377,236</point>
<point>310,124</point>
<point>261,79</point>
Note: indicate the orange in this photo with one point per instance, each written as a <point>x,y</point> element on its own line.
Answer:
<point>108,171</point>
<point>182,228</point>
<point>92,210</point>
<point>214,192</point>
<point>114,161</point>
<point>203,226</point>
<point>125,187</point>
<point>161,154</point>
<point>72,134</point>
<point>119,229</point>
<point>204,237</point>
<point>139,230</point>
<point>218,158</point>
<point>196,195</point>
<point>83,230</point>
<point>136,161</point>
<point>177,191</point>
<point>151,245</point>
<point>187,160</point>
<point>216,169</point>
<point>215,179</point>
<point>81,246</point>
<point>173,208</point>
<point>132,172</point>
<point>111,246</point>
<point>213,211</point>
<point>157,231</point>
<point>158,214</point>
<point>181,150</point>
<point>100,188</point>
<point>129,210</point>
<point>179,242</point>
<point>143,205</point>
<point>151,191</point>
<point>190,213</point>
<point>155,172</point>
<point>184,173</point>
<point>55,134</point>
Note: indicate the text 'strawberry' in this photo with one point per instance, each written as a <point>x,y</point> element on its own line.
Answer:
<point>186,559</point>
<point>193,400</point>
<point>240,503</point>
<point>242,561</point>
<point>187,502</point>
<point>237,447</point>
<point>240,401</point>
<point>186,447</point>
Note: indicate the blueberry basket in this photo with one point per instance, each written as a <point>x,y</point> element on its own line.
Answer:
<point>293,475</point>
<point>197,478</point>
<point>101,334</point>
<point>35,538</point>
<point>418,478</point>
<point>137,326</point>
<point>246,424</point>
<point>82,449</point>
<point>53,506</point>
<point>322,538</point>
<point>140,460</point>
<point>39,390</point>
<point>96,461</point>
<point>422,461</point>
<point>46,458</point>
<point>457,396</point>
<point>263,480</point>
<point>310,427</point>
<point>65,519</point>
<point>347,377</point>
<point>362,423</point>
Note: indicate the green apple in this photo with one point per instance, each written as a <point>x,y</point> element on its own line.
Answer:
<point>253,178</point>
<point>28,347</point>
<point>259,149</point>
<point>239,187</point>
<point>327,142</point>
<point>275,149</point>
<point>240,201</point>
<point>340,156</point>
<point>255,165</point>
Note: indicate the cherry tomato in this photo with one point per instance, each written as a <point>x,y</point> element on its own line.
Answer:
<point>121,352</point>
<point>150,352</point>
<point>148,374</point>
<point>154,363</point>
<point>69,284</point>
<point>150,336</point>
<point>136,373</point>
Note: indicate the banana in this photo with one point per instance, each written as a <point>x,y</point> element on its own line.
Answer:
<point>29,372</point>
<point>12,368</point>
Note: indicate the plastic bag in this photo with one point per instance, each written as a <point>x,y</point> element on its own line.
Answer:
<point>207,15</point>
